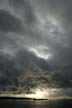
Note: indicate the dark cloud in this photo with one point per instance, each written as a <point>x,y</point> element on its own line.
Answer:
<point>29,31</point>
<point>26,71</point>
<point>9,23</point>
<point>24,10</point>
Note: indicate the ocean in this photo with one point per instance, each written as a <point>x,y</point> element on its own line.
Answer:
<point>36,103</point>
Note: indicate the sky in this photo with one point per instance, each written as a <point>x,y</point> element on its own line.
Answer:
<point>35,44</point>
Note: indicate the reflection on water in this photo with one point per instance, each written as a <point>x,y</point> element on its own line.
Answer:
<point>35,104</point>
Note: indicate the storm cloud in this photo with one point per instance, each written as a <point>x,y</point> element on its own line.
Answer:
<point>35,44</point>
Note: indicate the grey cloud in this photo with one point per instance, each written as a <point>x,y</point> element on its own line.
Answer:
<point>58,9</point>
<point>59,42</point>
<point>27,71</point>
<point>9,23</point>
<point>20,29</point>
<point>24,10</point>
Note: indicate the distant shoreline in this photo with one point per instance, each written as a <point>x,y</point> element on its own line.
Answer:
<point>33,99</point>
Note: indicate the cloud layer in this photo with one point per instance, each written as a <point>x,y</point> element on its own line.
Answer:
<point>35,44</point>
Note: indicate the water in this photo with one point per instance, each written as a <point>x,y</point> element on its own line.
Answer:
<point>35,104</point>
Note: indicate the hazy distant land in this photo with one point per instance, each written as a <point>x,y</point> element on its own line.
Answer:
<point>53,94</point>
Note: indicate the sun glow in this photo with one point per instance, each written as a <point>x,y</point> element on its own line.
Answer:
<point>41,52</point>
<point>38,94</point>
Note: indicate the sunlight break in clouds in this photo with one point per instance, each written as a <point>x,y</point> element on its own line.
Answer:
<point>41,52</point>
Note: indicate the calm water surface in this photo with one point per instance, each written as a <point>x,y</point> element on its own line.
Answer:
<point>35,104</point>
